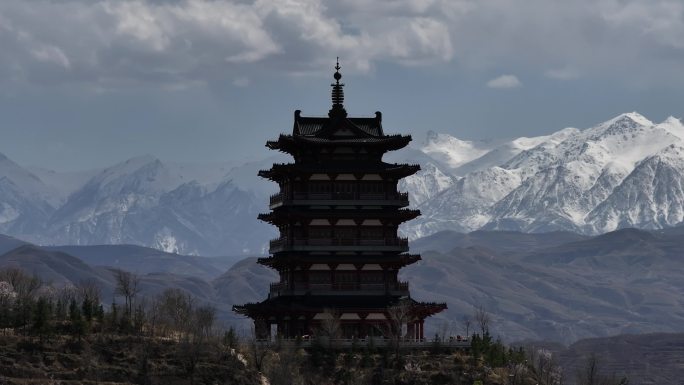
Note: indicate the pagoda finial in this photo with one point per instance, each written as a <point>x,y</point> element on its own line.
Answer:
<point>337,93</point>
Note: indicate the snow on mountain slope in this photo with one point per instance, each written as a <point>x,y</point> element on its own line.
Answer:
<point>506,151</point>
<point>26,203</point>
<point>563,183</point>
<point>451,151</point>
<point>651,196</point>
<point>426,183</point>
<point>465,205</point>
<point>25,181</point>
<point>147,202</point>
<point>432,178</point>
<point>624,172</point>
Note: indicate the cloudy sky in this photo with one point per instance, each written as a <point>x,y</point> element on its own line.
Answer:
<point>85,83</point>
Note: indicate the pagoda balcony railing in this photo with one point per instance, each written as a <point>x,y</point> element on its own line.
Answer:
<point>284,242</point>
<point>280,198</point>
<point>280,288</point>
<point>376,342</point>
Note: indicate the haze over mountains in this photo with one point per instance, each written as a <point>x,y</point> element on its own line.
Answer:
<point>557,286</point>
<point>625,172</point>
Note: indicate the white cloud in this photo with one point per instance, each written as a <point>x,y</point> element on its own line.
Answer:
<point>51,54</point>
<point>114,42</point>
<point>562,74</point>
<point>504,81</point>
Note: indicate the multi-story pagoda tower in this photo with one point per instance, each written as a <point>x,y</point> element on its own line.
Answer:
<point>338,210</point>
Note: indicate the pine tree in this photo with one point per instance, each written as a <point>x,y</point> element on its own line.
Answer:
<point>42,315</point>
<point>78,324</point>
<point>230,338</point>
<point>113,319</point>
<point>60,310</point>
<point>87,307</point>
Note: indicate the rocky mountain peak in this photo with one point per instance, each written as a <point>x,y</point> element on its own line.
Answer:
<point>622,172</point>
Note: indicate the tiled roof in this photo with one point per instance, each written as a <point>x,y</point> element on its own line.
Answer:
<point>311,126</point>
<point>345,140</point>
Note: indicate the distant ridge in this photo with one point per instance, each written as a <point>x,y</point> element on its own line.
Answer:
<point>556,287</point>
<point>625,172</point>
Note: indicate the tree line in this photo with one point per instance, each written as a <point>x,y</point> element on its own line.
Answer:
<point>33,308</point>
<point>29,306</point>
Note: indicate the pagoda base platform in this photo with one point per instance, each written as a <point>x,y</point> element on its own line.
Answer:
<point>339,316</point>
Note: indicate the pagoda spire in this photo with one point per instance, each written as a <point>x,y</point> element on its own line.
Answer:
<point>337,94</point>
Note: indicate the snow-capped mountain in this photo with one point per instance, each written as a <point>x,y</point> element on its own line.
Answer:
<point>205,209</point>
<point>625,172</point>
<point>453,152</point>
<point>432,178</point>
<point>620,173</point>
<point>26,202</point>
<point>651,196</point>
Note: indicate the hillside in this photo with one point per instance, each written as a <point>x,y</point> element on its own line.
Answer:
<point>646,359</point>
<point>144,260</point>
<point>58,269</point>
<point>558,287</point>
<point>114,360</point>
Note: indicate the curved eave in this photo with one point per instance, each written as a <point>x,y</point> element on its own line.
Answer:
<point>242,309</point>
<point>285,213</point>
<point>290,143</point>
<point>279,172</point>
<point>427,309</point>
<point>405,170</point>
<point>390,142</point>
<point>280,260</point>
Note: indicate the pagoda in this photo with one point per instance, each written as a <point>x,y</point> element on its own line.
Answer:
<point>338,210</point>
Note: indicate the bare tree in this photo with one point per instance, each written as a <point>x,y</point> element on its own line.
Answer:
<point>23,284</point>
<point>285,367</point>
<point>128,286</point>
<point>154,315</point>
<point>89,290</point>
<point>331,327</point>
<point>195,339</point>
<point>467,322</point>
<point>517,374</point>
<point>63,297</point>
<point>545,368</point>
<point>176,309</point>
<point>482,318</point>
<point>398,316</point>
<point>446,329</point>
<point>258,350</point>
<point>590,374</point>
<point>204,318</point>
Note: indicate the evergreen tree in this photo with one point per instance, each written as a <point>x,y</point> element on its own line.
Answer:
<point>113,319</point>
<point>41,318</point>
<point>78,324</point>
<point>60,310</point>
<point>87,307</point>
<point>100,313</point>
<point>230,338</point>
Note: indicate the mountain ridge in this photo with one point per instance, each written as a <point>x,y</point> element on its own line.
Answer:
<point>624,172</point>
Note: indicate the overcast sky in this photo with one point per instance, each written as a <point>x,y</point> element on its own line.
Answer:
<point>86,83</point>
